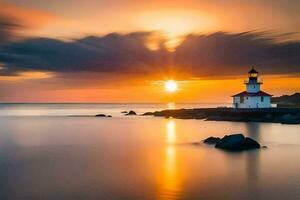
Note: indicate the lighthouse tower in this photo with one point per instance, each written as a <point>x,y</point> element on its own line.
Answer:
<point>253,84</point>
<point>253,97</point>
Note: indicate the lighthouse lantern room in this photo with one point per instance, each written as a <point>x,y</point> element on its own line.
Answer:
<point>253,97</point>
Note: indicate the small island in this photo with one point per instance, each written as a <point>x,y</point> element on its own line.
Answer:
<point>274,115</point>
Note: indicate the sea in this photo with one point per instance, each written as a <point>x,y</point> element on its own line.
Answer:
<point>62,152</point>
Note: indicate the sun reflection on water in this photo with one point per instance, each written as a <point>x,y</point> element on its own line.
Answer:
<point>171,132</point>
<point>171,105</point>
<point>170,177</point>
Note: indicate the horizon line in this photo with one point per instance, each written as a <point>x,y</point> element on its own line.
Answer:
<point>115,102</point>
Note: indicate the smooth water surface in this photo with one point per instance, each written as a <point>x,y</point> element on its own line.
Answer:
<point>49,155</point>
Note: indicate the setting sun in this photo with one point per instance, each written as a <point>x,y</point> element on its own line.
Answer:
<point>171,86</point>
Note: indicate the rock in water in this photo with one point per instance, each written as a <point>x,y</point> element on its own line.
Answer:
<point>251,144</point>
<point>231,142</point>
<point>100,115</point>
<point>212,140</point>
<point>237,142</point>
<point>131,113</point>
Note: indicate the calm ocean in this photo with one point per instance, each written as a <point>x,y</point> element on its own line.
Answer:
<point>46,154</point>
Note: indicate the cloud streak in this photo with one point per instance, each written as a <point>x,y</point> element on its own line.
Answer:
<point>216,54</point>
<point>223,53</point>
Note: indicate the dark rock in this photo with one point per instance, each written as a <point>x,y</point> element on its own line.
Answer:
<point>212,140</point>
<point>200,116</point>
<point>264,147</point>
<point>231,142</point>
<point>268,117</point>
<point>289,119</point>
<point>124,112</point>
<point>131,113</point>
<point>185,117</point>
<point>273,115</point>
<point>148,114</point>
<point>102,115</point>
<point>251,144</point>
<point>237,142</point>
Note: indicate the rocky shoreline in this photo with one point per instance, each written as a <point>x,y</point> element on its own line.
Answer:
<point>273,115</point>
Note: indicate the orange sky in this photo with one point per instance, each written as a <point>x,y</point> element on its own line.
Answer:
<point>46,89</point>
<point>77,17</point>
<point>74,19</point>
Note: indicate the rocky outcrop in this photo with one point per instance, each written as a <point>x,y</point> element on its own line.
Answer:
<point>290,119</point>
<point>212,140</point>
<point>131,113</point>
<point>287,101</point>
<point>235,142</point>
<point>102,115</point>
<point>274,115</point>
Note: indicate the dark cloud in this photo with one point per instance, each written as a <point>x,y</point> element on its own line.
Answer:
<point>216,54</point>
<point>7,28</point>
<point>224,53</point>
<point>110,53</point>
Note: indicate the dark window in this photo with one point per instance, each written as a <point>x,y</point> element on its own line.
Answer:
<point>242,99</point>
<point>261,98</point>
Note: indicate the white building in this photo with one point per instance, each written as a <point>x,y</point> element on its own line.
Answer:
<point>253,97</point>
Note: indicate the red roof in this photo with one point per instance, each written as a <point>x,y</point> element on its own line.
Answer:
<point>245,93</point>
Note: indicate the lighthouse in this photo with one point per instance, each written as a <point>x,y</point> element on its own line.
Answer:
<point>253,97</point>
